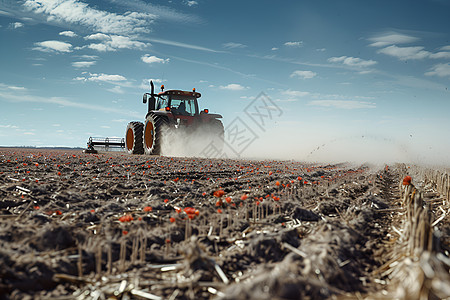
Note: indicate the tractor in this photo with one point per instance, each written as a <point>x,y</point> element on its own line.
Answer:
<point>172,110</point>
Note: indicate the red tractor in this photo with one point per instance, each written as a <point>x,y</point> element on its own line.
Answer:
<point>172,110</point>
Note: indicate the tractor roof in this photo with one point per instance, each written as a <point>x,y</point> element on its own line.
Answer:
<point>180,93</point>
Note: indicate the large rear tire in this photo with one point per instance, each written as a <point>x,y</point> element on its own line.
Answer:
<point>134,137</point>
<point>154,129</point>
<point>217,134</point>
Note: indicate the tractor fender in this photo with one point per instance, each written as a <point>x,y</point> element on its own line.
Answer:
<point>207,117</point>
<point>162,113</point>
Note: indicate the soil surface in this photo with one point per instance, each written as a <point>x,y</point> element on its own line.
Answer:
<point>93,226</point>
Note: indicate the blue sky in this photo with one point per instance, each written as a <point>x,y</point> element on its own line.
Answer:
<point>339,74</point>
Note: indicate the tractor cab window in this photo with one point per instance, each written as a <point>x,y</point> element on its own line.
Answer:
<point>184,107</point>
<point>163,102</point>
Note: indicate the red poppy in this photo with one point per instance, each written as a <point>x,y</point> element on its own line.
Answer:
<point>244,197</point>
<point>407,180</point>
<point>126,218</point>
<point>219,193</point>
<point>148,209</point>
<point>172,219</point>
<point>228,199</point>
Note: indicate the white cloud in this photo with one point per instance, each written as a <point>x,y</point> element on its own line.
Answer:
<point>117,89</point>
<point>101,77</point>
<point>294,44</point>
<point>150,59</point>
<point>83,64</point>
<point>233,87</point>
<point>342,104</point>
<point>441,70</point>
<point>101,47</point>
<point>446,48</point>
<point>98,36</point>
<point>77,12</point>
<point>68,33</point>
<point>232,45</point>
<point>442,54</point>
<point>352,61</point>
<point>113,42</point>
<point>88,56</point>
<point>191,2</point>
<point>391,38</point>
<point>9,126</point>
<point>17,88</point>
<point>405,52</point>
<point>303,74</point>
<point>274,49</point>
<point>293,93</point>
<point>106,77</point>
<point>16,25</point>
<point>53,46</point>
<point>5,13</point>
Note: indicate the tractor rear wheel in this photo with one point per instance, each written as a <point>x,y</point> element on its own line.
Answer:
<point>154,129</point>
<point>134,137</point>
<point>217,133</point>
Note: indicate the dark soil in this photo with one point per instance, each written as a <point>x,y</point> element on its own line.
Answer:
<point>114,225</point>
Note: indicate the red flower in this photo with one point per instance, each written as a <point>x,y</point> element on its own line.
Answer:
<point>172,219</point>
<point>126,218</point>
<point>219,193</point>
<point>166,200</point>
<point>176,179</point>
<point>228,199</point>
<point>124,232</point>
<point>277,183</point>
<point>189,210</point>
<point>148,209</point>
<point>407,180</point>
<point>219,211</point>
<point>244,197</point>
<point>299,178</point>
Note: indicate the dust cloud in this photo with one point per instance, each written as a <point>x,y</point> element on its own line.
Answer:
<point>319,147</point>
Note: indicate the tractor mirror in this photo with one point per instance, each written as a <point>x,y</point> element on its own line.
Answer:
<point>144,99</point>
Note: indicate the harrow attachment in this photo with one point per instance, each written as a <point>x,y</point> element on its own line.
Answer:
<point>104,144</point>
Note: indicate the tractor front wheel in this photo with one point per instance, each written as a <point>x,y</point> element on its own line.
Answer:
<point>133,138</point>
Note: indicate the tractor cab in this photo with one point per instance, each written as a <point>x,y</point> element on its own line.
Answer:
<point>179,103</point>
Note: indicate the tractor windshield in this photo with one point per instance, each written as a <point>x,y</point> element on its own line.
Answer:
<point>184,107</point>
<point>179,105</point>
